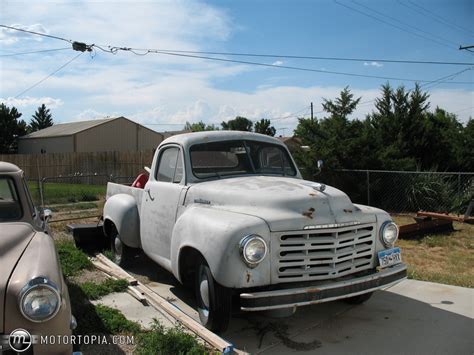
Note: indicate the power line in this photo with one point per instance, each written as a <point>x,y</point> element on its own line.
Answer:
<point>464,109</point>
<point>290,56</point>
<point>390,24</point>
<point>404,23</point>
<point>36,33</point>
<point>34,52</point>
<point>48,76</point>
<point>114,49</point>
<point>428,13</point>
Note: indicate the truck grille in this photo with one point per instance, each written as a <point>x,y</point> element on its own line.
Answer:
<point>325,253</point>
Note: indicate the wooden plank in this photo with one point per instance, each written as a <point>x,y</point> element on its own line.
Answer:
<point>161,303</point>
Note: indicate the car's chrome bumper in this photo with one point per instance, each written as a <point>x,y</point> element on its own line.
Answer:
<point>322,292</point>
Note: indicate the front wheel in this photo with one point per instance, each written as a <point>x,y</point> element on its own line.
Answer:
<point>214,302</point>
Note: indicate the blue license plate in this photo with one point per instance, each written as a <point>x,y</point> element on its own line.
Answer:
<point>389,257</point>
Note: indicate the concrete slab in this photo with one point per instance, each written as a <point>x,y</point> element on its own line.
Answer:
<point>411,317</point>
<point>134,310</point>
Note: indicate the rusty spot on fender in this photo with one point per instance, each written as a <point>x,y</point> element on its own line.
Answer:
<point>347,211</point>
<point>312,194</point>
<point>309,213</point>
<point>248,277</point>
<point>313,290</point>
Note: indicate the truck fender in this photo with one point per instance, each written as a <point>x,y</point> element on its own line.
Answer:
<point>215,234</point>
<point>121,210</point>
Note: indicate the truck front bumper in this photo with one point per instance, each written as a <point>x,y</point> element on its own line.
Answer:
<point>287,297</point>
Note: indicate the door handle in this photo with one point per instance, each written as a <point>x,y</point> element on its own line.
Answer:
<point>149,194</point>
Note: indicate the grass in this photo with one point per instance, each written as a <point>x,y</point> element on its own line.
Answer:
<point>100,319</point>
<point>94,291</point>
<point>446,258</point>
<point>72,259</point>
<point>58,193</point>
<point>168,341</point>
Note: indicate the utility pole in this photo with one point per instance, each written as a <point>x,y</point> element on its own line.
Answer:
<point>312,118</point>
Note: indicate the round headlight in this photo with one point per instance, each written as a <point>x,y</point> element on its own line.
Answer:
<point>389,233</point>
<point>253,249</point>
<point>40,300</point>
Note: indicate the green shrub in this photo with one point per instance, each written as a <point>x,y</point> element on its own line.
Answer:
<point>72,259</point>
<point>168,341</point>
<point>114,321</point>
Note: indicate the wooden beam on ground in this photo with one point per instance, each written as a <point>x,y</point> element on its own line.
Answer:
<point>161,304</point>
<point>445,217</point>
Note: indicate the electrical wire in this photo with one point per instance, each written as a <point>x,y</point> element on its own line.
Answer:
<point>404,23</point>
<point>287,67</point>
<point>391,24</point>
<point>36,33</point>
<point>48,76</point>
<point>34,52</point>
<point>289,56</point>
<point>428,13</point>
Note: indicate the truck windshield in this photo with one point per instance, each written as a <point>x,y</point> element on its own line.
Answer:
<point>240,157</point>
<point>10,207</point>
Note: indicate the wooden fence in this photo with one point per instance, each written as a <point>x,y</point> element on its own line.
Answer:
<point>38,166</point>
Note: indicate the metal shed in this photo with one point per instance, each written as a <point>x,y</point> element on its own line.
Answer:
<point>104,135</point>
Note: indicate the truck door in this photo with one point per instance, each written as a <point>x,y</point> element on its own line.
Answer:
<point>160,204</point>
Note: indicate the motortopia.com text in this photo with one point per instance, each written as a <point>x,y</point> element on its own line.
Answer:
<point>86,339</point>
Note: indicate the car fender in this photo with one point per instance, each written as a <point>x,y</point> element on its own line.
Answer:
<point>215,234</point>
<point>122,211</point>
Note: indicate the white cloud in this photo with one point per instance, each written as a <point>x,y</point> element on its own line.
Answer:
<point>373,64</point>
<point>9,36</point>
<point>32,101</point>
<point>278,62</point>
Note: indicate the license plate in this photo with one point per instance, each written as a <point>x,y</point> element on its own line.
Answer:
<point>389,257</point>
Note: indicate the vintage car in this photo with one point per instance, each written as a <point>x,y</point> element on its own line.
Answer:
<point>230,213</point>
<point>34,298</point>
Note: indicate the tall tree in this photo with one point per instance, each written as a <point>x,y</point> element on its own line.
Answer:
<point>10,129</point>
<point>264,127</point>
<point>200,126</point>
<point>238,124</point>
<point>42,118</point>
<point>343,106</point>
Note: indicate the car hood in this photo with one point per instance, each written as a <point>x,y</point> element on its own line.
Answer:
<point>284,203</point>
<point>14,238</point>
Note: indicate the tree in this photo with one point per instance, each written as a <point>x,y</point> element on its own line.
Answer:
<point>200,126</point>
<point>238,124</point>
<point>10,129</point>
<point>41,119</point>
<point>343,106</point>
<point>264,127</point>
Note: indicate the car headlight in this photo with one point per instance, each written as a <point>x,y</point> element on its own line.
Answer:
<point>39,300</point>
<point>253,249</point>
<point>389,233</point>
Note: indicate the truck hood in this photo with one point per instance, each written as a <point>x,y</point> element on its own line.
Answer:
<point>284,203</point>
<point>14,238</point>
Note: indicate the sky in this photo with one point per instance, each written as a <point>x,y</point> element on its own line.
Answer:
<point>163,92</point>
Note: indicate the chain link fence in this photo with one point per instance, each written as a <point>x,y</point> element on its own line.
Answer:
<point>82,194</point>
<point>405,191</point>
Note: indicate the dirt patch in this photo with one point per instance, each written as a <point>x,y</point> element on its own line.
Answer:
<point>94,275</point>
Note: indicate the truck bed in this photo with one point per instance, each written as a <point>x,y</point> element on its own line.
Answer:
<point>114,189</point>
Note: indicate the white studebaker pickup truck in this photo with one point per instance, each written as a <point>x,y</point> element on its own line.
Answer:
<point>229,213</point>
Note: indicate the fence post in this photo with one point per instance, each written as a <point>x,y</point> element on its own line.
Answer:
<point>368,187</point>
<point>459,184</point>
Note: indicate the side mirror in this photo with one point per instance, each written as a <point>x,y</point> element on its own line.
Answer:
<point>46,215</point>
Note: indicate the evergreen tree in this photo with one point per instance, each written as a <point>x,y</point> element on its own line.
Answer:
<point>264,127</point>
<point>10,129</point>
<point>41,119</point>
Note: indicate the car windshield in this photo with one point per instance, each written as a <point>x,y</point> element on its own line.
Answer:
<point>10,207</point>
<point>240,157</point>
